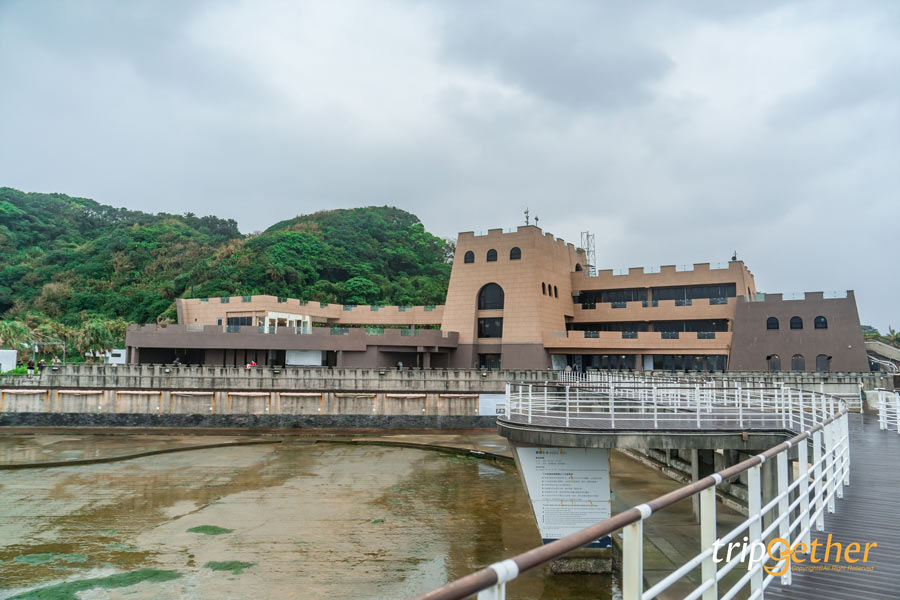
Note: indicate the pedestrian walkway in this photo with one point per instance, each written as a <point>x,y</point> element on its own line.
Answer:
<point>868,513</point>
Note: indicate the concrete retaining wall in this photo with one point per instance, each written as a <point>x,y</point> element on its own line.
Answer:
<point>238,402</point>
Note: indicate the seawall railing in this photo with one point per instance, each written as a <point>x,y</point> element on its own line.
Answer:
<point>169,377</point>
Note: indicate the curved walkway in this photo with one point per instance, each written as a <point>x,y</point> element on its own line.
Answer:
<point>868,513</point>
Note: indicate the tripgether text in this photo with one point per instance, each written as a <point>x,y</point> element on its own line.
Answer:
<point>784,554</point>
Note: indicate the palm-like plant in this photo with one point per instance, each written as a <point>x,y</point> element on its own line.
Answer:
<point>893,336</point>
<point>94,336</point>
<point>14,335</point>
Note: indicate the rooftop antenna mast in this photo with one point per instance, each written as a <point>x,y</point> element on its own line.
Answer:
<point>527,219</point>
<point>587,242</point>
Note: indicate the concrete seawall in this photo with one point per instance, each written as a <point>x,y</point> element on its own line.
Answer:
<point>245,421</point>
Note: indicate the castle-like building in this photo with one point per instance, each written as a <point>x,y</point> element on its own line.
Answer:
<point>527,300</point>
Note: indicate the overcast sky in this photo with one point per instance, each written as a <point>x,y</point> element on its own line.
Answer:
<point>676,132</point>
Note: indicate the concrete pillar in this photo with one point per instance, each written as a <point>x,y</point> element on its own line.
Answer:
<point>426,360</point>
<point>702,465</point>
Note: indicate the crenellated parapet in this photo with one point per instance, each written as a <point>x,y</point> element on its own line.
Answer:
<point>804,297</point>
<point>503,237</point>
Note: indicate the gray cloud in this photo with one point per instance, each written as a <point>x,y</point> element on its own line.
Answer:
<point>676,132</point>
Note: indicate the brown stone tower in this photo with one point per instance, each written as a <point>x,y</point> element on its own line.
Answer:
<point>506,326</point>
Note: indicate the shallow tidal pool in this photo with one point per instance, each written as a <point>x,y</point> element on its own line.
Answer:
<point>289,520</point>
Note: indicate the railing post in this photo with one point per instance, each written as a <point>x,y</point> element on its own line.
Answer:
<point>567,404</point>
<point>790,406</point>
<point>754,507</point>
<point>506,570</point>
<point>508,399</point>
<point>633,561</point>
<point>530,401</point>
<point>779,403</point>
<point>845,421</point>
<point>829,466</point>
<point>803,463</point>
<point>697,403</point>
<point>708,536</point>
<point>783,503</point>
<point>655,409</point>
<point>882,410</point>
<point>897,409</point>
<point>612,405</point>
<point>817,477</point>
<point>740,402</point>
<point>840,447</point>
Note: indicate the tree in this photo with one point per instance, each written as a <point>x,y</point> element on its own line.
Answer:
<point>94,336</point>
<point>14,335</point>
<point>360,290</point>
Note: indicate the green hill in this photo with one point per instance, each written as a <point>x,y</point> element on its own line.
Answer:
<point>68,260</point>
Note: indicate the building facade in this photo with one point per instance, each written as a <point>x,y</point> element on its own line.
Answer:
<point>526,300</point>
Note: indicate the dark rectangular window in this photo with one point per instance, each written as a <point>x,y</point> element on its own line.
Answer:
<point>236,321</point>
<point>678,362</point>
<point>693,292</point>
<point>491,327</point>
<point>611,326</point>
<point>488,361</point>
<point>617,296</point>
<point>582,362</point>
<point>692,325</point>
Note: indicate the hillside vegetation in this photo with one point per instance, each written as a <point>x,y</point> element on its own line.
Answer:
<point>69,261</point>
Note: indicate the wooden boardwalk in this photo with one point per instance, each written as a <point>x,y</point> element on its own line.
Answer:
<point>869,512</point>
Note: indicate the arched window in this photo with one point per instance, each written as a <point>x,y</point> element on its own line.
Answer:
<point>820,322</point>
<point>492,255</point>
<point>823,363</point>
<point>796,323</point>
<point>577,267</point>
<point>490,297</point>
<point>515,253</point>
<point>555,292</point>
<point>798,363</point>
<point>544,288</point>
<point>771,323</point>
<point>469,257</point>
<point>774,362</point>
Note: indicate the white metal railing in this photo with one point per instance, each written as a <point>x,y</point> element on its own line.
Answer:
<point>887,365</point>
<point>796,508</point>
<point>660,403</point>
<point>889,410</point>
<point>730,379</point>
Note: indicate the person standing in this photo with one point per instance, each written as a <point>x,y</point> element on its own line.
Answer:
<point>30,366</point>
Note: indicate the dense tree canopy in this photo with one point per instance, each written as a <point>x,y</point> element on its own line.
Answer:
<point>69,262</point>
